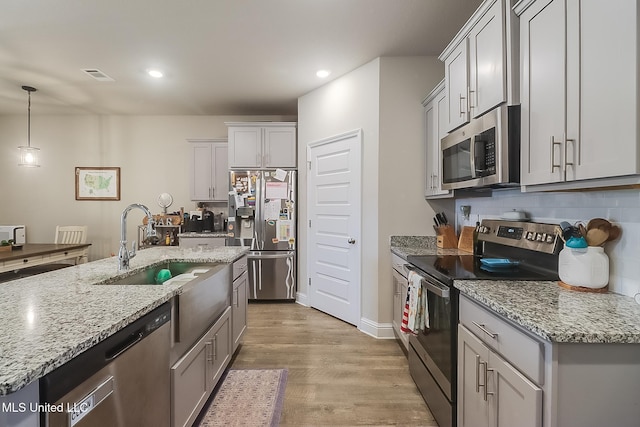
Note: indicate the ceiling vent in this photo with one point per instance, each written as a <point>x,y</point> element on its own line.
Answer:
<point>98,75</point>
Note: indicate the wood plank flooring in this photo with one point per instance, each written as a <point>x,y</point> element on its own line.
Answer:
<point>338,376</point>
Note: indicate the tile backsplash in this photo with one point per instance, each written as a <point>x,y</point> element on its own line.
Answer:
<point>618,206</point>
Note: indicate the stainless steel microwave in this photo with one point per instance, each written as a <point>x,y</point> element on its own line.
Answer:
<point>485,152</point>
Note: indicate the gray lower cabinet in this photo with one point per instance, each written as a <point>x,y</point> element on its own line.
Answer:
<point>491,392</point>
<point>507,376</point>
<point>239,301</point>
<point>400,287</point>
<point>239,308</point>
<point>195,375</point>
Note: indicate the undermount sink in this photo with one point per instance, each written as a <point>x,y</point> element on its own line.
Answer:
<point>149,275</point>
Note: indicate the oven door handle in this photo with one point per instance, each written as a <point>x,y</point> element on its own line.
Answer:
<point>441,291</point>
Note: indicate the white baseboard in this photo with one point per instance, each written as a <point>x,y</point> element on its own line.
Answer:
<point>302,299</point>
<point>376,330</point>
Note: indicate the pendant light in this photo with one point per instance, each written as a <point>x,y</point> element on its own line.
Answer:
<point>29,154</point>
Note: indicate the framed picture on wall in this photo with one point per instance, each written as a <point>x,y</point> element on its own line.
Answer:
<point>99,183</point>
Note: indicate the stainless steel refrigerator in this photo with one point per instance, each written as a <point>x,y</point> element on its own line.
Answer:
<point>262,216</point>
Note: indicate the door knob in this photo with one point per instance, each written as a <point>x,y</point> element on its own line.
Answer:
<point>351,240</point>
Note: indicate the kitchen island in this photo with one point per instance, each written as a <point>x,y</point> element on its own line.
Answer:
<point>50,318</point>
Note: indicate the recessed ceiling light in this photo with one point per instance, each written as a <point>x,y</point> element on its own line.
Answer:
<point>155,73</point>
<point>323,73</point>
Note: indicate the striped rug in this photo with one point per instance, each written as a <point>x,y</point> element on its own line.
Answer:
<point>248,397</point>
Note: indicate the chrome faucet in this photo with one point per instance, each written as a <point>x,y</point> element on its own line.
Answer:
<point>123,254</point>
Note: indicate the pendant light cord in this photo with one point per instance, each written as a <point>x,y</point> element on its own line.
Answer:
<point>29,122</point>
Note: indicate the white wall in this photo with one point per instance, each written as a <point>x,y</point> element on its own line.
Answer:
<point>152,152</point>
<point>347,103</point>
<point>619,206</point>
<point>383,98</point>
<point>402,210</point>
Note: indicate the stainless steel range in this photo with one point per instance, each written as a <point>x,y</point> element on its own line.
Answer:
<point>510,251</point>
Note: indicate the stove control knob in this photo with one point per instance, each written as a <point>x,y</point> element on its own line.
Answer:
<point>550,238</point>
<point>530,235</point>
<point>539,237</point>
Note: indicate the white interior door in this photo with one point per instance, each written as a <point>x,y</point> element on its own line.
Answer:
<point>334,207</point>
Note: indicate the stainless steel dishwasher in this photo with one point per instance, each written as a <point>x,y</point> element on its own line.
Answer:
<point>122,381</point>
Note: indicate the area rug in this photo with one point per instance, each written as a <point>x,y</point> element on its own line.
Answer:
<point>248,397</point>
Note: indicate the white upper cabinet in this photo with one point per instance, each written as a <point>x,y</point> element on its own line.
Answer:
<point>487,76</point>
<point>456,75</point>
<point>481,63</point>
<point>262,145</point>
<point>209,174</point>
<point>579,102</point>
<point>435,111</point>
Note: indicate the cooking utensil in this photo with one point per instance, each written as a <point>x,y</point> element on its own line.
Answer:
<point>597,236</point>
<point>614,233</point>
<point>583,230</point>
<point>444,218</point>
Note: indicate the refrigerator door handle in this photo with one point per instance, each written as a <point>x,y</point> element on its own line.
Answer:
<point>270,256</point>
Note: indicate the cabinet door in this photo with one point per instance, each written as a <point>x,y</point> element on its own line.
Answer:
<point>602,88</point>
<point>515,401</point>
<point>220,173</point>
<point>220,345</point>
<point>279,147</point>
<point>456,77</point>
<point>239,309</point>
<point>473,410</point>
<point>542,48</point>
<point>487,74</point>
<point>201,170</point>
<point>190,387</point>
<point>245,147</point>
<point>431,129</point>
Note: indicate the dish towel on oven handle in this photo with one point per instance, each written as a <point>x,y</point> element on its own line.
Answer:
<point>416,311</point>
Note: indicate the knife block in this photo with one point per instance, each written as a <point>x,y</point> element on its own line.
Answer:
<point>446,237</point>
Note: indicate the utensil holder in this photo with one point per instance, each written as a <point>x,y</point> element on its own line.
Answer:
<point>465,242</point>
<point>587,268</point>
<point>446,237</point>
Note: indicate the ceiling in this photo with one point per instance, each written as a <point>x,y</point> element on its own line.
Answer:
<point>220,57</point>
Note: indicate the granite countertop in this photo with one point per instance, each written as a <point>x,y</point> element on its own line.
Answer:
<point>211,234</point>
<point>50,318</point>
<point>543,308</point>
<point>403,246</point>
<point>559,315</point>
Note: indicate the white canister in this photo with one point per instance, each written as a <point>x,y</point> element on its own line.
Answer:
<point>588,267</point>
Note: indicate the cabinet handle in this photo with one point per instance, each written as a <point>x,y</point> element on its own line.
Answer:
<point>470,98</point>
<point>235,298</point>
<point>566,163</point>
<point>493,335</point>
<point>209,352</point>
<point>462,109</point>
<point>553,146</point>
<point>478,373</point>
<point>215,349</point>
<point>487,393</point>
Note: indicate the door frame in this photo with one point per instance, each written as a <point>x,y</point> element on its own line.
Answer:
<point>357,133</point>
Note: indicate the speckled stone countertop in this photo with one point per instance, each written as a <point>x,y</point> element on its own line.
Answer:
<point>550,312</point>
<point>559,315</point>
<point>403,246</point>
<point>211,234</point>
<point>48,319</point>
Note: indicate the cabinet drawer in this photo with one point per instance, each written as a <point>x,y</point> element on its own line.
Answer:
<point>397,263</point>
<point>22,263</point>
<point>522,350</point>
<point>239,267</point>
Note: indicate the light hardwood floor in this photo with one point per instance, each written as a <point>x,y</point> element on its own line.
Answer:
<point>337,375</point>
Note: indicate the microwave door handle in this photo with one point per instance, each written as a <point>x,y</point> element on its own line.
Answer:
<point>472,153</point>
